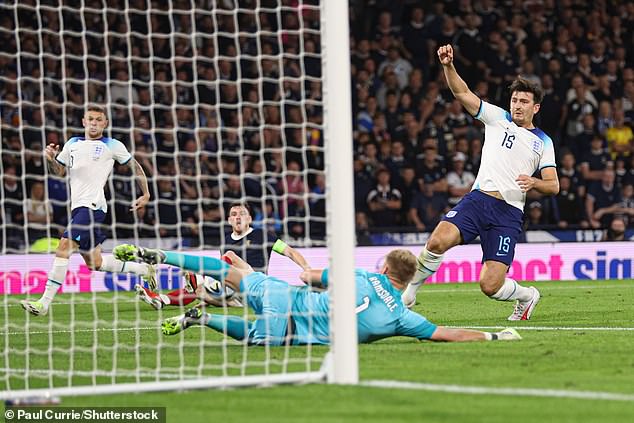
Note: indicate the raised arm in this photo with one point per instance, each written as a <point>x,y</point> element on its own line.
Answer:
<point>458,87</point>
<point>54,167</point>
<point>282,248</point>
<point>137,170</point>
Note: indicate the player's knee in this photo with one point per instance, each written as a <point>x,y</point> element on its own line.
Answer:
<point>436,244</point>
<point>488,286</point>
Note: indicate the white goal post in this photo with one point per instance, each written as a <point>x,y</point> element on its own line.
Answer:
<point>62,354</point>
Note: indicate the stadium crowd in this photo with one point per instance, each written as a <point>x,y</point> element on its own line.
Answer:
<point>207,118</point>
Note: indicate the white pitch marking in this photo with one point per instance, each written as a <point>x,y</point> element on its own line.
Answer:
<point>485,390</point>
<point>553,328</point>
<point>476,288</point>
<point>41,332</point>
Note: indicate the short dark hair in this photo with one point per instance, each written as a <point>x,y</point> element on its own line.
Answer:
<point>525,86</point>
<point>96,108</point>
<point>245,205</point>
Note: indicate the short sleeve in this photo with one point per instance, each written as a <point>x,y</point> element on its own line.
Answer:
<point>489,114</point>
<point>548,156</point>
<point>414,325</point>
<point>63,157</point>
<point>119,152</point>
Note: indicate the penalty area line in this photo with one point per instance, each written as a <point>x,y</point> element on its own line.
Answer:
<point>485,390</point>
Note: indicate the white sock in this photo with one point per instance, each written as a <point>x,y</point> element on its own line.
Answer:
<point>511,290</point>
<point>111,264</point>
<point>55,280</point>
<point>428,263</point>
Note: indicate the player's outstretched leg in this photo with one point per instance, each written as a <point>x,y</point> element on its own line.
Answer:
<point>147,296</point>
<point>36,308</point>
<point>428,263</point>
<point>508,334</point>
<point>208,266</point>
<point>177,324</point>
<point>524,309</point>
<point>129,252</point>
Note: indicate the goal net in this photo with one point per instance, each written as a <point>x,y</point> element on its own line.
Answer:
<point>219,102</point>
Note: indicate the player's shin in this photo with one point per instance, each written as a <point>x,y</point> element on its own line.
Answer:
<point>209,266</point>
<point>511,291</point>
<point>233,326</point>
<point>428,263</point>
<point>55,280</point>
<point>111,264</point>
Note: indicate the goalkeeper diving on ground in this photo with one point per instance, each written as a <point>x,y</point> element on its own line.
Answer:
<point>292,315</point>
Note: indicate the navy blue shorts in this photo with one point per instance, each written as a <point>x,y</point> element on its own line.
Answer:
<point>85,228</point>
<point>498,223</point>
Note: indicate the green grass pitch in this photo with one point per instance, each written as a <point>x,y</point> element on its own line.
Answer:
<point>559,352</point>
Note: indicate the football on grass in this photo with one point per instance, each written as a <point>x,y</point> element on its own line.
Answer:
<point>217,289</point>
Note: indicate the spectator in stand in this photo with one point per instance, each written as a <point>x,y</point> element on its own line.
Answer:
<point>427,208</point>
<point>38,213</point>
<point>438,129</point>
<point>429,167</point>
<point>616,230</point>
<point>396,160</point>
<point>595,161</point>
<point>602,200</point>
<point>416,38</point>
<point>568,169</point>
<point>384,201</point>
<point>581,103</point>
<point>551,109</point>
<point>400,66</point>
<point>568,206</point>
<point>535,219</point>
<point>619,136</point>
<point>458,120</point>
<point>459,180</point>
<point>605,118</point>
<point>408,186</point>
<point>626,205</point>
<point>580,143</point>
<point>620,171</point>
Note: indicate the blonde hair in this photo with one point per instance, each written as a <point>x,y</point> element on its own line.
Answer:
<point>401,265</point>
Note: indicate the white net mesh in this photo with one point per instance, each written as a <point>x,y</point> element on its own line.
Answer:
<point>218,101</point>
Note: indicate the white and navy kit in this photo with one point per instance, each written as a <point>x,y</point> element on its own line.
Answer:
<point>509,151</point>
<point>89,163</point>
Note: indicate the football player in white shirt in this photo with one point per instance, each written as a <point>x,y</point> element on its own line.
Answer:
<point>514,149</point>
<point>89,161</point>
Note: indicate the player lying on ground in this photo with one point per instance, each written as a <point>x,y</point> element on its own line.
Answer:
<point>89,160</point>
<point>251,244</point>
<point>297,315</point>
<point>514,149</point>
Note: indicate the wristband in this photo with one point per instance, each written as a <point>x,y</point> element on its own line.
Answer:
<point>279,246</point>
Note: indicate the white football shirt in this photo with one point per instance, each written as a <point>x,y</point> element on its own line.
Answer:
<point>509,151</point>
<point>89,163</point>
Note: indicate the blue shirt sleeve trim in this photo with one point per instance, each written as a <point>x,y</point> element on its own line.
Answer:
<point>127,161</point>
<point>548,165</point>
<point>60,162</point>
